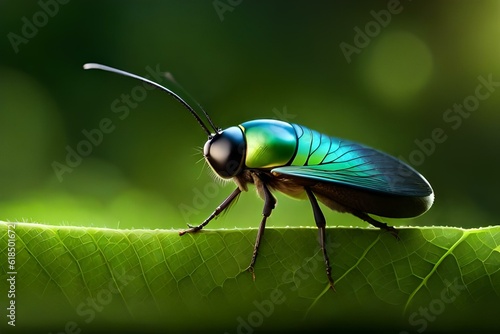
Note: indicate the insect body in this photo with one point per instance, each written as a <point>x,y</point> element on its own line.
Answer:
<point>305,164</point>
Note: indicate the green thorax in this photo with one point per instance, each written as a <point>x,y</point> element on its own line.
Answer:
<point>269,143</point>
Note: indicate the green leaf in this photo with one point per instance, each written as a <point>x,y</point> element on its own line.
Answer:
<point>72,278</point>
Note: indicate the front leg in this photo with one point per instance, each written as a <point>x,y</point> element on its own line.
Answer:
<point>214,214</point>
<point>269,204</point>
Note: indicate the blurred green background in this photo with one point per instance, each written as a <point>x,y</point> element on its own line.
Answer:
<point>242,60</point>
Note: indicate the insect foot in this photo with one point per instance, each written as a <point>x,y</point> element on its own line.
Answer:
<point>251,270</point>
<point>191,229</point>
<point>330,279</point>
<point>394,232</point>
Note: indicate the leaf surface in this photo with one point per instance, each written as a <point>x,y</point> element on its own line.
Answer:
<point>97,278</point>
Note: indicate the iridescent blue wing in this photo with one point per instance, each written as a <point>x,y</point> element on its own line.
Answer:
<point>339,161</point>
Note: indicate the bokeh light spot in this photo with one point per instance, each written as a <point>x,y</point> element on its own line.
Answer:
<point>399,66</point>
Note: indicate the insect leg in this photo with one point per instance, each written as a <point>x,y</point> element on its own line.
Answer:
<point>214,214</point>
<point>376,223</point>
<point>321,223</point>
<point>269,204</point>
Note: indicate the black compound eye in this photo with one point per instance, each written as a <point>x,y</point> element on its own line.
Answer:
<point>225,152</point>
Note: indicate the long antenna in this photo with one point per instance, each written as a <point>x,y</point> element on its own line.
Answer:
<point>94,66</point>
<point>171,78</point>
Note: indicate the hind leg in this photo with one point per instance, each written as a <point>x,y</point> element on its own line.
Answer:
<point>376,223</point>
